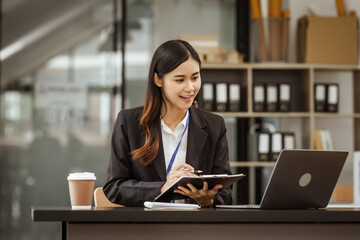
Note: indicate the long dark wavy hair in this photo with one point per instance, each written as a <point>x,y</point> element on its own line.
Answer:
<point>167,57</point>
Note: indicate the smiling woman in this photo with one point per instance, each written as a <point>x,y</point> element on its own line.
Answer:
<point>169,60</point>
<point>179,88</point>
<point>154,145</point>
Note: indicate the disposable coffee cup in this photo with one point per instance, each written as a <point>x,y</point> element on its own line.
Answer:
<point>81,189</point>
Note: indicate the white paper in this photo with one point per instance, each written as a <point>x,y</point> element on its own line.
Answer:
<point>264,8</point>
<point>323,138</point>
<point>149,204</point>
<point>208,91</point>
<point>221,93</point>
<point>328,139</point>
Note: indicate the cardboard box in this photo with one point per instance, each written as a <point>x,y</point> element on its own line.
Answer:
<point>207,46</point>
<point>333,40</point>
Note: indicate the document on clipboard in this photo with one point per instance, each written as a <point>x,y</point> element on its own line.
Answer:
<point>197,181</point>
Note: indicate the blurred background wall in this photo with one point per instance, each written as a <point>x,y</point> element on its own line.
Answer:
<point>68,67</point>
<point>62,84</point>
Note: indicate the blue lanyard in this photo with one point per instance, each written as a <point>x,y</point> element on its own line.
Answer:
<point>177,148</point>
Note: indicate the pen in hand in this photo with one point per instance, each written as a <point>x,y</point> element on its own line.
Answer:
<point>197,172</point>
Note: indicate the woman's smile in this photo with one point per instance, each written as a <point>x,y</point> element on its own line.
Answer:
<point>183,82</point>
<point>187,98</point>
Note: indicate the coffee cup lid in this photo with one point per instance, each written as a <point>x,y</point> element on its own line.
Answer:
<point>81,176</point>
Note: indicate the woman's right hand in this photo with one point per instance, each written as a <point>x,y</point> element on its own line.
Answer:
<point>175,173</point>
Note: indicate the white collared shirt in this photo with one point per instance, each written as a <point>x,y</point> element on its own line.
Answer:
<point>171,139</point>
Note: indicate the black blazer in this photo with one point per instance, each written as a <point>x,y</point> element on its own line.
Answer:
<point>129,183</point>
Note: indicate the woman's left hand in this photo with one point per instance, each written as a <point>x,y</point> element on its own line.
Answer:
<point>204,197</point>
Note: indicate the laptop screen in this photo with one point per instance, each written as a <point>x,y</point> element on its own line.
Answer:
<point>303,179</point>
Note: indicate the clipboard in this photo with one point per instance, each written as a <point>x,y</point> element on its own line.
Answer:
<point>197,181</point>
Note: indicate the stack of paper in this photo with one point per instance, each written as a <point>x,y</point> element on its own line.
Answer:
<point>170,205</point>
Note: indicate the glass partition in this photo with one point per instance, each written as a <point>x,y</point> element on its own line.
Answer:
<point>61,84</point>
<point>58,108</point>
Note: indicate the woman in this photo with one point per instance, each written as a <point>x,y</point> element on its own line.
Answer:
<point>152,146</point>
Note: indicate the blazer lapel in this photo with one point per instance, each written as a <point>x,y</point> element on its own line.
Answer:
<point>196,137</point>
<point>159,161</point>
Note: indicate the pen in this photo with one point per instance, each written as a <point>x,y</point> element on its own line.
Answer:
<point>192,170</point>
<point>196,171</point>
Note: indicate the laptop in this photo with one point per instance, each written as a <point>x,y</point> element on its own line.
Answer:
<point>301,179</point>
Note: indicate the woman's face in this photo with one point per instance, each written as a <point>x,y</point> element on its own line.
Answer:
<point>180,86</point>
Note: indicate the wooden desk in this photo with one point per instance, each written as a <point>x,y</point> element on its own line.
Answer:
<point>209,224</point>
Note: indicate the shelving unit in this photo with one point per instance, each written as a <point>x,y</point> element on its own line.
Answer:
<point>302,119</point>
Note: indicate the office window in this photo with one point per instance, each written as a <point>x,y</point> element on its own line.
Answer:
<point>60,95</point>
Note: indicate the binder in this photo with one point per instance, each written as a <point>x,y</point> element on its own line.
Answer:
<point>264,146</point>
<point>221,97</point>
<point>208,97</point>
<point>234,97</point>
<point>271,97</point>
<point>197,181</point>
<point>284,97</point>
<point>332,97</point>
<point>276,145</point>
<point>289,140</point>
<point>320,97</point>
<point>259,97</point>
